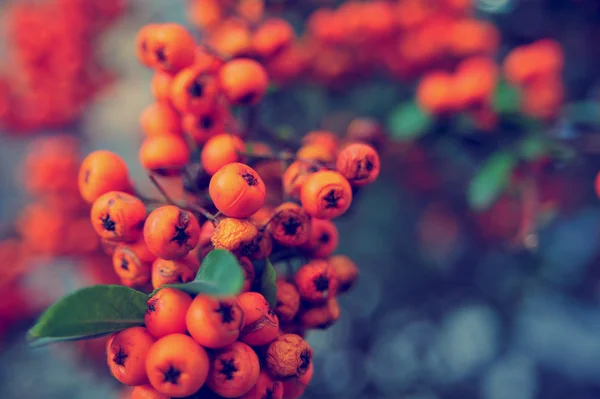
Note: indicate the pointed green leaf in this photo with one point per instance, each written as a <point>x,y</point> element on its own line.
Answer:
<point>408,122</point>
<point>268,286</point>
<point>507,98</point>
<point>88,313</point>
<point>491,180</point>
<point>220,275</point>
<point>533,146</point>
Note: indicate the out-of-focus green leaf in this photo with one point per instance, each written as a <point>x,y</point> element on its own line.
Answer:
<point>507,98</point>
<point>408,122</point>
<point>268,286</point>
<point>533,147</point>
<point>491,180</point>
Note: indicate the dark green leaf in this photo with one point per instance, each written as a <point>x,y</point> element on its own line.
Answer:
<point>491,180</point>
<point>507,98</point>
<point>220,274</point>
<point>268,286</point>
<point>89,313</point>
<point>408,122</point>
<point>533,147</point>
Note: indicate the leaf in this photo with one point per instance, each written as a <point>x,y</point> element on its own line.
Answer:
<point>89,313</point>
<point>584,113</point>
<point>507,98</point>
<point>533,146</point>
<point>491,180</point>
<point>268,286</point>
<point>408,122</point>
<point>220,275</point>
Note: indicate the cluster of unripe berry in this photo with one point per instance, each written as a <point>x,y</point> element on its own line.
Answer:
<point>233,345</point>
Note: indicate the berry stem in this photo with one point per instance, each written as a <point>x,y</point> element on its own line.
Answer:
<point>527,234</point>
<point>162,191</point>
<point>203,212</point>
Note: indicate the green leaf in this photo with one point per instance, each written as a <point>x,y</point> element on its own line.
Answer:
<point>408,122</point>
<point>507,98</point>
<point>268,286</point>
<point>584,113</point>
<point>88,313</point>
<point>491,180</point>
<point>533,146</point>
<point>220,275</point>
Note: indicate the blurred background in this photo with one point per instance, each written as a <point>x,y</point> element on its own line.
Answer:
<point>477,245</point>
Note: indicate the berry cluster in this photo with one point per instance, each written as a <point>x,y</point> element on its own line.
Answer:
<point>52,71</point>
<point>245,197</point>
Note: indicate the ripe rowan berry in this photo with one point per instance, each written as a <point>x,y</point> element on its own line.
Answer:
<point>272,37</point>
<point>166,312</point>
<point>161,86</point>
<point>368,131</point>
<point>326,194</point>
<point>214,322</point>
<point>261,217</point>
<point>289,356</point>
<point>345,270</point>
<point>259,248</point>
<point>146,392</point>
<point>243,81</point>
<point>231,234</point>
<point>322,138</point>
<point>294,388</point>
<point>126,355</point>
<point>101,172</point>
<point>316,281</point>
<point>288,301</point>
<point>234,370</point>
<point>474,82</point>
<point>172,272</point>
<point>295,176</point>
<point>315,152</point>
<point>323,239</point>
<point>171,232</point>
<point>194,90</point>
<point>290,225</point>
<point>358,163</point>
<point>160,118</point>
<point>320,316</point>
<point>265,387</point>
<point>142,49</point>
<point>221,150</point>
<point>166,154</point>
<point>231,38</point>
<point>177,366</point>
<point>130,268</point>
<point>435,93</point>
<point>171,48</point>
<point>118,216</point>
<point>237,190</point>
<point>201,126</point>
<point>261,324</point>
<point>248,273</point>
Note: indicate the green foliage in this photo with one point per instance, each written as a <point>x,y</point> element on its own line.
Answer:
<point>220,274</point>
<point>268,286</point>
<point>491,180</point>
<point>533,147</point>
<point>584,113</point>
<point>88,313</point>
<point>507,98</point>
<point>408,122</point>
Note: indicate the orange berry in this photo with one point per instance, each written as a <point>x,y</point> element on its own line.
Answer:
<point>251,10</point>
<point>272,37</point>
<point>166,312</point>
<point>290,225</point>
<point>294,388</point>
<point>231,38</point>
<point>435,93</point>
<point>265,387</point>
<point>194,90</point>
<point>322,138</point>
<point>326,194</point>
<point>172,272</point>
<point>204,125</point>
<point>261,324</point>
<point>261,217</point>
<point>214,322</point>
<point>323,238</point>
<point>234,370</point>
<point>219,151</point>
<point>259,248</point>
<point>368,131</point>
<point>166,154</point>
<point>289,356</point>
<point>543,97</point>
<point>146,392</point>
<point>475,82</point>
<point>126,355</point>
<point>320,316</point>
<point>295,176</point>
<point>243,81</point>
<point>161,86</point>
<point>130,268</point>
<point>160,118</point>
<point>345,271</point>
<point>205,14</point>
<point>171,232</point>
<point>316,281</point>
<point>142,39</point>
<point>177,366</point>
<point>171,48</point>
<point>118,216</point>
<point>288,301</point>
<point>237,190</point>
<point>232,234</point>
<point>102,171</point>
<point>315,152</point>
<point>358,163</point>
<point>470,37</point>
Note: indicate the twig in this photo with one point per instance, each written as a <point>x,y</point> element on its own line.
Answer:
<point>162,191</point>
<point>203,212</point>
